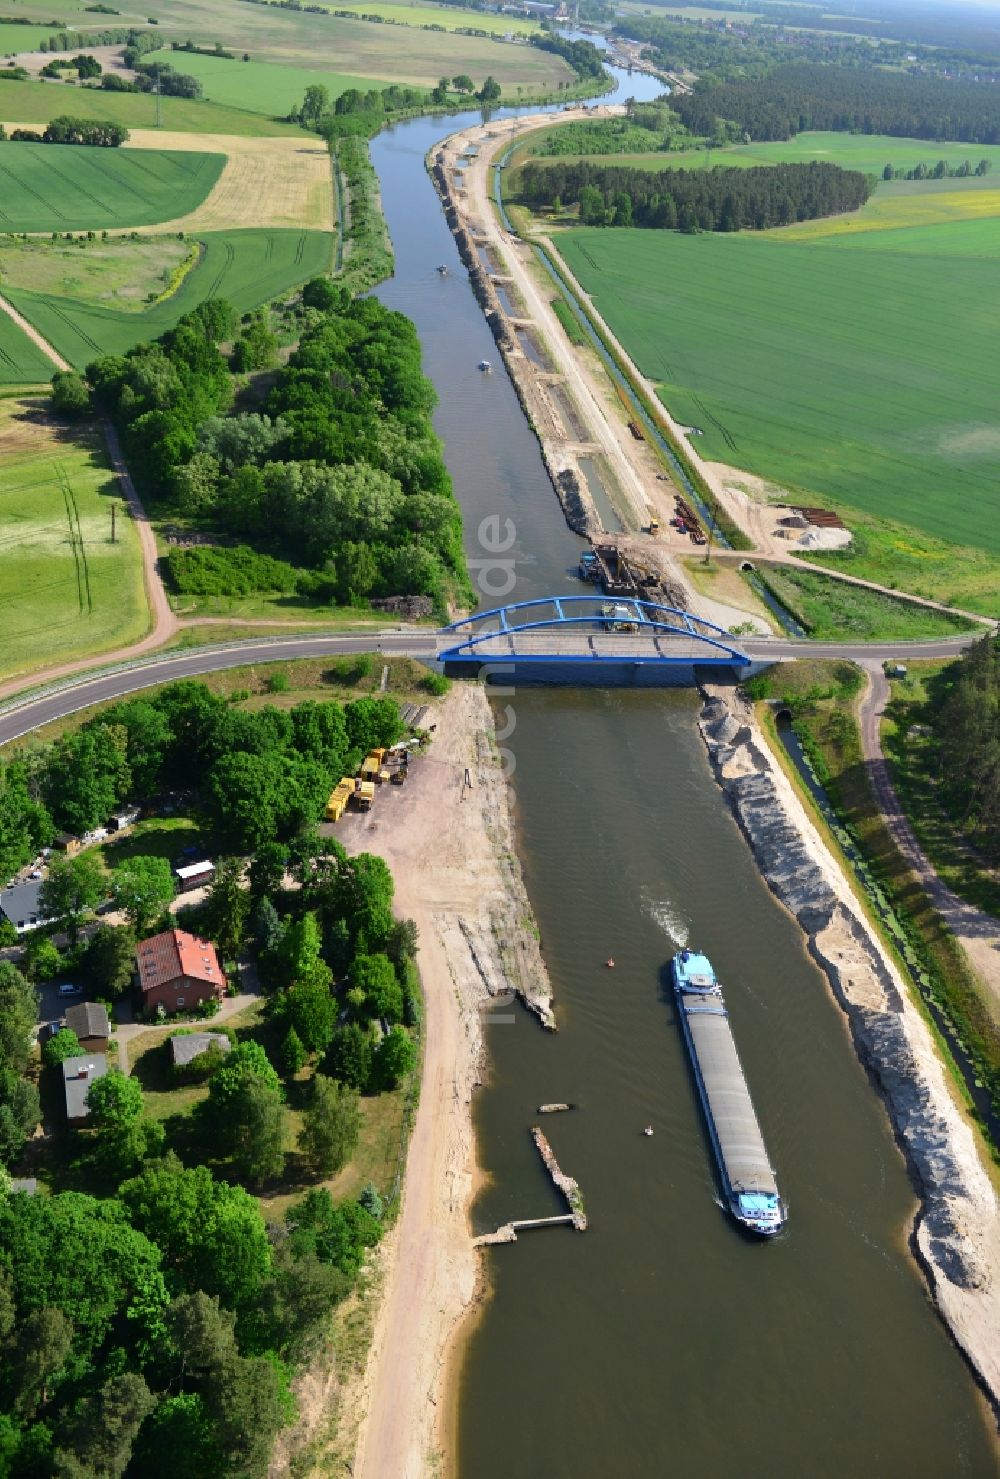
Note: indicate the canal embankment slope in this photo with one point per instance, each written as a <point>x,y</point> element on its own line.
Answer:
<point>956,1230</point>
<point>450,847</point>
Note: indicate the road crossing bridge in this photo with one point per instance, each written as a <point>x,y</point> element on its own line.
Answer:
<point>591,639</point>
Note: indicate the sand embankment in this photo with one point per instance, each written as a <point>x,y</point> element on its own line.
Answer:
<point>956,1231</point>
<point>448,838</point>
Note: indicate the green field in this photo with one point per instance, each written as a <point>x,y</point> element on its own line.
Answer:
<point>261,87</point>
<point>869,153</point>
<point>68,187</point>
<point>328,43</point>
<point>20,362</point>
<point>870,376</point>
<point>38,102</point>
<point>122,272</point>
<point>65,589</point>
<point>245,267</point>
<point>449,16</point>
<point>21,38</point>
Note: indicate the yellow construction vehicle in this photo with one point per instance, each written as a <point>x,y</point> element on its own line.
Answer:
<point>364,795</point>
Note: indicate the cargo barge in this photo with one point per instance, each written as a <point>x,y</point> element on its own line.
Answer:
<point>748,1181</point>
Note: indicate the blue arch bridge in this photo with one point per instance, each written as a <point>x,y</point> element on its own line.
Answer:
<point>592,639</point>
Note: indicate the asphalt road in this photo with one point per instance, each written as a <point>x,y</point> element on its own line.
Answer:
<point>32,712</point>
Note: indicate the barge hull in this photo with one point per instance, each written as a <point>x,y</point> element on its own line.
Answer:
<point>748,1180</point>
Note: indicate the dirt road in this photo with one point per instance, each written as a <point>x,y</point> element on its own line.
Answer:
<point>977,932</point>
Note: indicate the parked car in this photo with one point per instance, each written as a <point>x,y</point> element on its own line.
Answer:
<point>68,989</point>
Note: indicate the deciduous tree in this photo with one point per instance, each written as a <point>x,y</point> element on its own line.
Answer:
<point>331,1125</point>
<point>142,887</point>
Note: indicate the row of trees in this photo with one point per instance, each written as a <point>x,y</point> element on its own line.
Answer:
<point>100,133</point>
<point>940,171</point>
<point>794,98</point>
<point>718,199</point>
<point>342,472</point>
<point>965,718</point>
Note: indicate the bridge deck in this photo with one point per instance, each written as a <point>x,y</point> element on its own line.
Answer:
<point>577,643</point>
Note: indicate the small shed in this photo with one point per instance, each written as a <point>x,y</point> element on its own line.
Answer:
<point>68,843</point>
<point>190,1045</point>
<point>78,1075</point>
<point>124,818</point>
<point>194,875</point>
<point>27,1184</point>
<point>89,1020</point>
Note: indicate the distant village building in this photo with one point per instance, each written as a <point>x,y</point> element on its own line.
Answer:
<point>89,1020</point>
<point>78,1075</point>
<point>194,875</point>
<point>178,972</point>
<point>20,906</point>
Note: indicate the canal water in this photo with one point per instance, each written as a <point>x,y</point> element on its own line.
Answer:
<point>661,1341</point>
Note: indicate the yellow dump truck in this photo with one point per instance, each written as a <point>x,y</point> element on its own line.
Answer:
<point>338,799</point>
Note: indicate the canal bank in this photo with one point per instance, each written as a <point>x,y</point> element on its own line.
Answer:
<point>599,1354</point>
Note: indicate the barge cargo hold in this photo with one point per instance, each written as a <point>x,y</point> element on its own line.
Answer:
<point>747,1178</point>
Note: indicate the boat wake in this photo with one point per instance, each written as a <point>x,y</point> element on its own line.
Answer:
<point>665,914</point>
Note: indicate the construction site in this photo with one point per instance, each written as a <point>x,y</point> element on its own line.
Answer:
<point>386,765</point>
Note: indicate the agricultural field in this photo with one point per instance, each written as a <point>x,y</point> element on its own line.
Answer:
<point>64,187</point>
<point>868,376</point>
<point>869,153</point>
<point>261,87</point>
<point>20,38</point>
<point>37,102</point>
<point>65,590</point>
<point>328,43</point>
<point>450,17</point>
<point>118,273</point>
<point>245,267</point>
<point>20,362</point>
<point>265,182</point>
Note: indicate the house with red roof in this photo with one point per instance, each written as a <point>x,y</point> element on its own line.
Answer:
<point>177,972</point>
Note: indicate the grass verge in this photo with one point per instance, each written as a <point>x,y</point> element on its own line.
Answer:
<point>893,898</point>
<point>830,609</point>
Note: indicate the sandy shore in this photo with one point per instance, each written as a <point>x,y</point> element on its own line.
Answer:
<point>448,838</point>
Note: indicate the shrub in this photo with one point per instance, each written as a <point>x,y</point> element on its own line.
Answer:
<point>62,1045</point>
<point>215,571</point>
<point>42,961</point>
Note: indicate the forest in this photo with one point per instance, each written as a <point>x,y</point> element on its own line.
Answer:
<point>151,1320</point>
<point>340,473</point>
<point>793,99</point>
<point>965,719</point>
<point>719,199</point>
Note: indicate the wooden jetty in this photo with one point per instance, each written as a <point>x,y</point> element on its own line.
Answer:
<point>575,1217</point>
